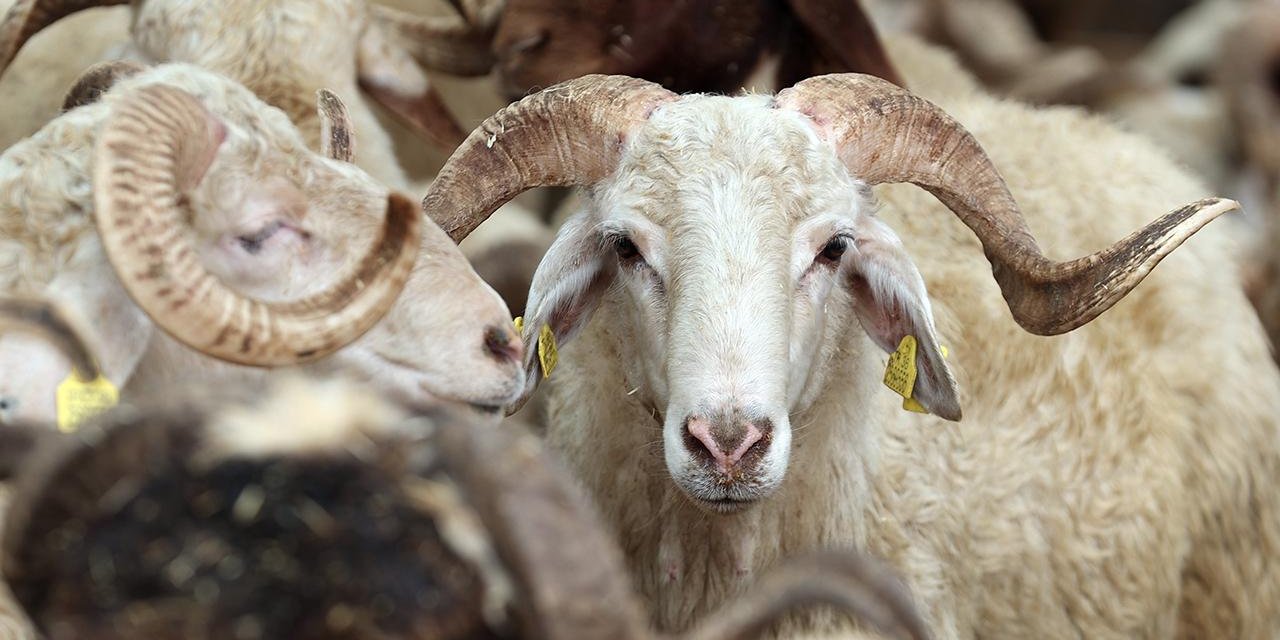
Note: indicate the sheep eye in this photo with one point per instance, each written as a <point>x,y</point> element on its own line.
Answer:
<point>626,249</point>
<point>834,250</point>
<point>252,243</point>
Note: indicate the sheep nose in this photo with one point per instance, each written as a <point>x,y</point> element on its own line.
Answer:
<point>503,345</point>
<point>728,444</point>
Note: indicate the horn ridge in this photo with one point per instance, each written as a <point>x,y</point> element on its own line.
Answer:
<point>883,133</point>
<point>158,141</point>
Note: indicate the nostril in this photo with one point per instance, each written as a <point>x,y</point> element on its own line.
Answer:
<point>698,441</point>
<point>728,446</point>
<point>503,345</point>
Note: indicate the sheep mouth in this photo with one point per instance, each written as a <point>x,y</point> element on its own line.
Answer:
<point>423,391</point>
<point>725,506</point>
<point>486,409</point>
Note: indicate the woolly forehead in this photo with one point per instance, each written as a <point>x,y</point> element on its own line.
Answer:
<point>703,160</point>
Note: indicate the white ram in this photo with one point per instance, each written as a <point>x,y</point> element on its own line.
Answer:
<point>730,291</point>
<point>272,219</point>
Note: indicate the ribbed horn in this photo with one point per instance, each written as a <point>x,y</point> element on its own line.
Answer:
<point>152,144</point>
<point>884,133</point>
<point>567,135</point>
<point>336,141</point>
<point>27,17</point>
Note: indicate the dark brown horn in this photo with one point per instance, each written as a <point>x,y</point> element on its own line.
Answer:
<point>149,147</point>
<point>570,575</point>
<point>885,134</point>
<point>449,44</point>
<point>27,17</point>
<point>336,141</point>
<point>97,80</point>
<point>867,589</point>
<point>570,134</point>
<point>46,319</point>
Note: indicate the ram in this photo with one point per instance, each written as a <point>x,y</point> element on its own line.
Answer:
<point>723,303</point>
<point>286,50</point>
<point>316,508</point>
<point>181,191</point>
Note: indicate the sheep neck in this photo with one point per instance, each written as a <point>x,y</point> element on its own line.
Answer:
<point>684,561</point>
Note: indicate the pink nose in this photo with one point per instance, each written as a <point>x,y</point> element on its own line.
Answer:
<point>725,444</point>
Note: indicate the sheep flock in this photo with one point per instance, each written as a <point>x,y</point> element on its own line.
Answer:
<point>630,319</point>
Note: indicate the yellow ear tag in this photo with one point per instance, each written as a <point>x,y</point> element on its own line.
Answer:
<point>900,375</point>
<point>519,324</point>
<point>547,353</point>
<point>79,400</point>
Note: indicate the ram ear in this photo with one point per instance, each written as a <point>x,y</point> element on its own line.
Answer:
<point>891,303</point>
<point>566,289</point>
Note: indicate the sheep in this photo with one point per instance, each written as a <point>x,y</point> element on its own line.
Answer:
<point>686,46</point>
<point>720,308</point>
<point>317,508</point>
<point>275,49</point>
<point>289,262</point>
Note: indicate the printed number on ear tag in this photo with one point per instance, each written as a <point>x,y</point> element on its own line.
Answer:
<point>78,400</point>
<point>547,353</point>
<point>901,373</point>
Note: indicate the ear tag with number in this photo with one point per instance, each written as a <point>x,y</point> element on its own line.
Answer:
<point>901,373</point>
<point>547,353</point>
<point>78,400</point>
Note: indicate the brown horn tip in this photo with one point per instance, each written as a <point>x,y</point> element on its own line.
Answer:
<point>1049,298</point>
<point>27,17</point>
<point>884,133</point>
<point>46,319</point>
<point>97,80</point>
<point>866,589</point>
<point>143,160</point>
<point>336,141</point>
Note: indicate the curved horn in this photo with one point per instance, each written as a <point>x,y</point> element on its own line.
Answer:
<point>569,134</point>
<point>151,145</point>
<point>885,134</point>
<point>46,319</point>
<point>571,577</point>
<point>336,141</point>
<point>866,589</point>
<point>449,44</point>
<point>27,17</point>
<point>97,80</point>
